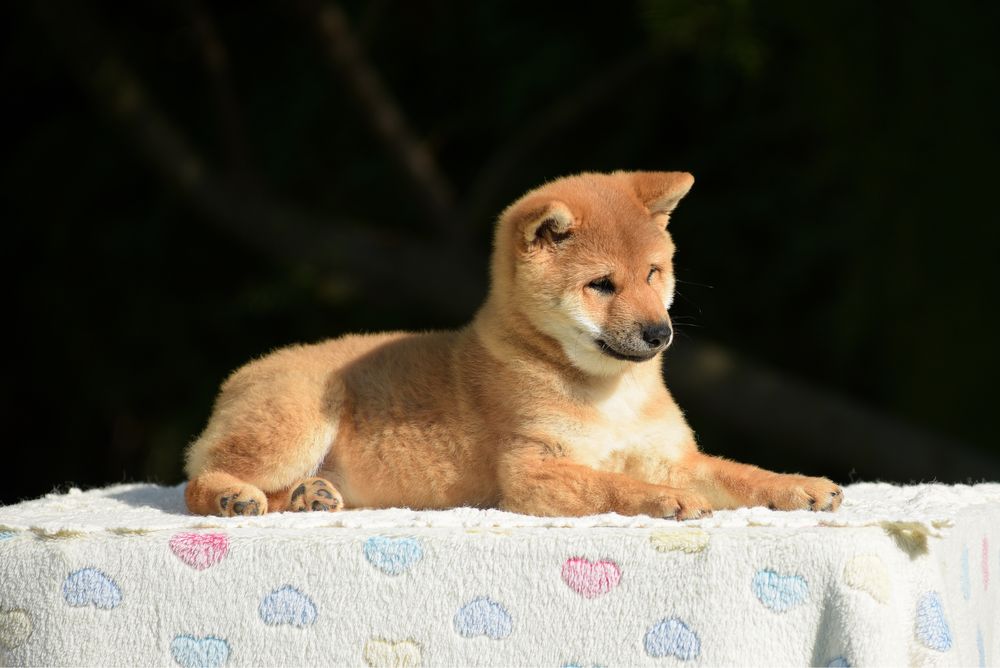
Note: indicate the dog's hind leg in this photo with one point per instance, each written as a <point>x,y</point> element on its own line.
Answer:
<point>272,427</point>
<point>260,473</point>
<point>252,463</point>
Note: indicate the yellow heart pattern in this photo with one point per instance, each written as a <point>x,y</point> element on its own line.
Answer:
<point>380,653</point>
<point>15,628</point>
<point>867,573</point>
<point>683,540</point>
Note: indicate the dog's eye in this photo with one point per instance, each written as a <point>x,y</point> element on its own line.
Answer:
<point>602,285</point>
<point>652,272</point>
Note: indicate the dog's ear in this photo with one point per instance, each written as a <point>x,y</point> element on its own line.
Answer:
<point>542,222</point>
<point>661,191</point>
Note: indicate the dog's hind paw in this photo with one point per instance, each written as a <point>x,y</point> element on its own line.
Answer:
<point>315,494</point>
<point>245,500</point>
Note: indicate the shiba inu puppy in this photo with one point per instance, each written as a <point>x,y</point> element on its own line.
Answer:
<point>551,402</point>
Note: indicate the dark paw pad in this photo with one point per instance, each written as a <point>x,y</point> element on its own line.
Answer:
<point>246,508</point>
<point>239,503</point>
<point>296,501</point>
<point>315,494</point>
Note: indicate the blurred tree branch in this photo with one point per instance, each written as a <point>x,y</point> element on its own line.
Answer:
<point>383,114</point>
<point>230,121</point>
<point>269,226</point>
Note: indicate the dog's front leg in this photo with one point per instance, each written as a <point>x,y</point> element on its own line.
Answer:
<point>536,482</point>
<point>729,484</point>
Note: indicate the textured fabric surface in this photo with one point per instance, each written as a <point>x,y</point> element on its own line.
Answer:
<point>123,576</point>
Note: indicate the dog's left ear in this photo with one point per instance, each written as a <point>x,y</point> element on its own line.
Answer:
<point>661,191</point>
<point>541,222</point>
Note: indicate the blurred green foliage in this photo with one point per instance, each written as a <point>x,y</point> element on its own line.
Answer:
<point>844,211</point>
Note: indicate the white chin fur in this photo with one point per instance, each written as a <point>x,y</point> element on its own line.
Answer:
<point>578,335</point>
<point>594,362</point>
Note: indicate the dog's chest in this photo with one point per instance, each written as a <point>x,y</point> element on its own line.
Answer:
<point>625,430</point>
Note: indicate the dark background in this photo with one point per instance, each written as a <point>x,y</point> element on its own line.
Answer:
<point>188,185</point>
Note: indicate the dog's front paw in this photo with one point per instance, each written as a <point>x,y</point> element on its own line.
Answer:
<point>244,500</point>
<point>315,494</point>
<point>679,505</point>
<point>693,506</point>
<point>799,492</point>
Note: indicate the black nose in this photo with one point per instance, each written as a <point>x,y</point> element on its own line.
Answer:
<point>657,335</point>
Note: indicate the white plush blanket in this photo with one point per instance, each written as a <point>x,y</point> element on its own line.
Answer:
<point>124,576</point>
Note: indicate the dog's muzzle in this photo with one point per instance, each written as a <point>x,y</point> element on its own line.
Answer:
<point>641,345</point>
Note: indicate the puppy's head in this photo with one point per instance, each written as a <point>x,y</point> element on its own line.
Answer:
<point>587,260</point>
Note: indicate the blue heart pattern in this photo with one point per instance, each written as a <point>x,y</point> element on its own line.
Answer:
<point>89,586</point>
<point>931,626</point>
<point>393,556</point>
<point>207,652</point>
<point>287,605</point>
<point>483,617</point>
<point>672,637</point>
<point>779,592</point>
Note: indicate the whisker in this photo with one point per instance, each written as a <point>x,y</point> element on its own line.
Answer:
<point>687,299</point>
<point>683,333</point>
<point>700,285</point>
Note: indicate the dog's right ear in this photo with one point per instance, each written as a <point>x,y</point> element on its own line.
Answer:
<point>660,191</point>
<point>542,223</point>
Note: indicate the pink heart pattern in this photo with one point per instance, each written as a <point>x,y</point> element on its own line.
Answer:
<point>200,550</point>
<point>591,579</point>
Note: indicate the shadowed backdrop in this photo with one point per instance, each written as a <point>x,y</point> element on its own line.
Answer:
<point>189,185</point>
